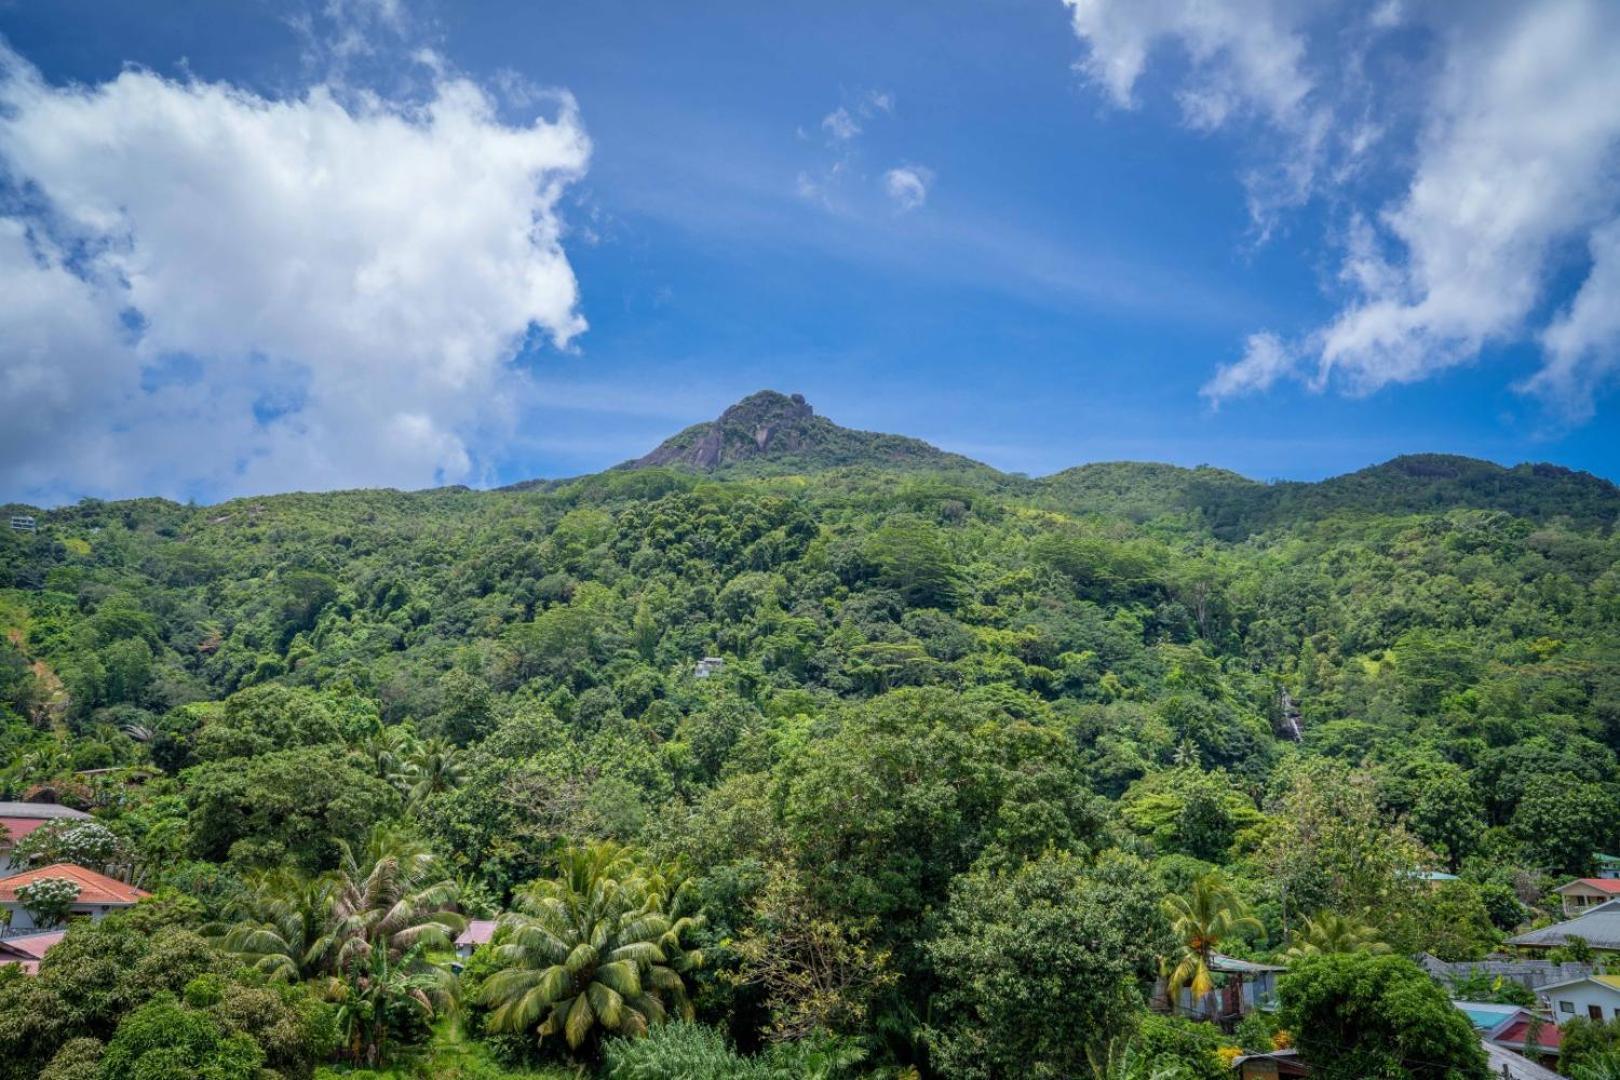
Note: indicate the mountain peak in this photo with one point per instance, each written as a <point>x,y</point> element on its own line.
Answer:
<point>768,431</point>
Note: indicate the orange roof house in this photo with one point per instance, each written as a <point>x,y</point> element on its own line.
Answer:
<point>98,893</point>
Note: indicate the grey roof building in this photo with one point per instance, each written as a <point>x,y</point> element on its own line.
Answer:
<point>1599,926</point>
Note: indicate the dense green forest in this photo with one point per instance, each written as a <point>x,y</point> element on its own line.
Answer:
<point>983,756</point>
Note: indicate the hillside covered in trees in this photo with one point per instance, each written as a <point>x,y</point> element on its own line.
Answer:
<point>788,750</point>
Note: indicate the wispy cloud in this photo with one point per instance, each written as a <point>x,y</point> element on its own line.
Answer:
<point>907,186</point>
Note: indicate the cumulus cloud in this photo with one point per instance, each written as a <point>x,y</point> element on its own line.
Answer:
<point>1266,359</point>
<point>907,186</point>
<point>1511,131</point>
<point>216,292</point>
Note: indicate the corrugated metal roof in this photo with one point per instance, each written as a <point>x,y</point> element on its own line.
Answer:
<point>1516,1066</point>
<point>1232,965</point>
<point>39,810</point>
<point>1600,926</point>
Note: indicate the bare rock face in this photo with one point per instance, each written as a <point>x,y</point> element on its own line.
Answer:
<point>771,429</point>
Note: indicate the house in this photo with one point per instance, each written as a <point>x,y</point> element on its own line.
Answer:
<point>1509,1026</point>
<point>709,665</point>
<point>1608,866</point>
<point>22,818</point>
<point>98,894</point>
<point>1242,986</point>
<point>1589,892</point>
<point>23,523</point>
<point>1596,997</point>
<point>478,932</point>
<point>27,950</point>
<point>1512,1066</point>
<point>1598,926</point>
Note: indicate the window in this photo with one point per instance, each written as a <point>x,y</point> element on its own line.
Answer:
<point>1567,1007</point>
<point>1595,1012</point>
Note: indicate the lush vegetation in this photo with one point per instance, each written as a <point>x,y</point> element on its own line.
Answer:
<point>985,757</point>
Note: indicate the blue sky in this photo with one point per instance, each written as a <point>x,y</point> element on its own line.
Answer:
<point>1036,233</point>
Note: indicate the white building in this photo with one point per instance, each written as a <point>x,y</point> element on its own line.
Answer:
<point>1596,997</point>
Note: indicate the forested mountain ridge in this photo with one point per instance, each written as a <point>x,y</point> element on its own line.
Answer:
<point>965,727</point>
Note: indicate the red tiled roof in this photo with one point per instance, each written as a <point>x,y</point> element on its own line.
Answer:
<point>1513,1035</point>
<point>1607,885</point>
<point>94,888</point>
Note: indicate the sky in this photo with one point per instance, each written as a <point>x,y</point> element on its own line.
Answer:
<point>254,247</point>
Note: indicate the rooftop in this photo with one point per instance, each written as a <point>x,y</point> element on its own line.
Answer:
<point>40,810</point>
<point>1513,1066</point>
<point>94,888</point>
<point>1608,885</point>
<point>1232,965</point>
<point>478,932</point>
<point>1599,926</point>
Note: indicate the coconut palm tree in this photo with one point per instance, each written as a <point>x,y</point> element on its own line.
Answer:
<point>1210,913</point>
<point>599,945</point>
<point>434,767</point>
<point>386,752</point>
<point>389,893</point>
<point>282,917</point>
<point>1331,933</point>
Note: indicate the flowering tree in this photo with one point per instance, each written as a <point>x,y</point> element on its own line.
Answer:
<point>48,900</point>
<point>83,843</point>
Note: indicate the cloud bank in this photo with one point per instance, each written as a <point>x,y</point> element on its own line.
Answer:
<point>1501,153</point>
<point>210,292</point>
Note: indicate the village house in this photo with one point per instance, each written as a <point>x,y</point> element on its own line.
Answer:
<point>1584,893</point>
<point>98,895</point>
<point>1596,997</point>
<point>1598,926</point>
<point>1509,1027</point>
<point>478,932</point>
<point>18,819</point>
<point>1242,986</point>
<point>27,950</point>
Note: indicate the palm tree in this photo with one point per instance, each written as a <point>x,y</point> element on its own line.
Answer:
<point>598,945</point>
<point>389,894</point>
<point>374,988</point>
<point>282,918</point>
<point>435,767</point>
<point>1210,913</point>
<point>1330,933</point>
<point>386,752</point>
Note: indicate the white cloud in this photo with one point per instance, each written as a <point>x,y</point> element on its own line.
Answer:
<point>1266,358</point>
<point>907,186</point>
<point>1583,342</point>
<point>326,293</point>
<point>1502,146</point>
<point>840,125</point>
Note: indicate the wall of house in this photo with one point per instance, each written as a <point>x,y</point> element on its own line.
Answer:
<point>1572,1001</point>
<point>21,921</point>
